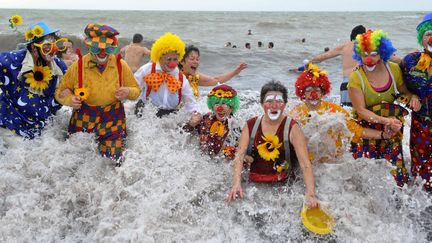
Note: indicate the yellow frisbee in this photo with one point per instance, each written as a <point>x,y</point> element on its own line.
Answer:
<point>317,220</point>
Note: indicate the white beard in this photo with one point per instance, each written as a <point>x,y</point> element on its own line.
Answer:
<point>272,116</point>
<point>370,69</point>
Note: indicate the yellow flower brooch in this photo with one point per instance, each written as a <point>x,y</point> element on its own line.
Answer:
<point>39,78</point>
<point>270,149</point>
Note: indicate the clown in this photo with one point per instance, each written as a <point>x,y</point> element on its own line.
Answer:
<point>417,70</point>
<point>28,79</point>
<point>162,81</point>
<point>217,132</point>
<point>94,86</point>
<point>274,144</point>
<point>311,86</point>
<point>190,65</point>
<point>373,88</point>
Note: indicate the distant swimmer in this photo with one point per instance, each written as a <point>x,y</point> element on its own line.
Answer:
<point>260,44</point>
<point>247,45</point>
<point>348,63</point>
<point>270,45</point>
<point>228,44</point>
<point>303,40</point>
<point>135,52</point>
<point>249,32</point>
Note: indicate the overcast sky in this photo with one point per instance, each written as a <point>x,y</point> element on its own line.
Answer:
<point>226,5</point>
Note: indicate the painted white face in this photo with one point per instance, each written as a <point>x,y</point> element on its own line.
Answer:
<point>222,111</point>
<point>370,60</point>
<point>274,105</point>
<point>427,40</point>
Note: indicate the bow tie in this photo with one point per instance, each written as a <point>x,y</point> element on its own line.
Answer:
<point>217,128</point>
<point>155,80</point>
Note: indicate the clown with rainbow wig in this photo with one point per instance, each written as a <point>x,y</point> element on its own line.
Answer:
<point>373,88</point>
<point>163,83</point>
<point>217,131</point>
<point>312,86</point>
<point>417,70</point>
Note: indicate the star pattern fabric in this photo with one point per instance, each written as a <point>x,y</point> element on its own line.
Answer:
<point>21,111</point>
<point>155,80</point>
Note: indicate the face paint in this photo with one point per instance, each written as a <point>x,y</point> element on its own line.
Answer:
<point>370,64</point>
<point>274,105</point>
<point>222,111</point>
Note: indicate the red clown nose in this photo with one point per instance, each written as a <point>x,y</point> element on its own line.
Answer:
<point>220,108</point>
<point>172,64</point>
<point>314,95</point>
<point>369,62</point>
<point>430,40</point>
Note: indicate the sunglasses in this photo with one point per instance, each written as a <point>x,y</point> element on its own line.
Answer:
<point>47,47</point>
<point>109,49</point>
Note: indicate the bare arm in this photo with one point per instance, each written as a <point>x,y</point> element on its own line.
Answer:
<point>206,80</point>
<point>298,140</point>
<point>329,54</point>
<point>238,165</point>
<point>145,51</point>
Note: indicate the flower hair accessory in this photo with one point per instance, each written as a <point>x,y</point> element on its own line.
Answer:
<point>312,77</point>
<point>223,94</point>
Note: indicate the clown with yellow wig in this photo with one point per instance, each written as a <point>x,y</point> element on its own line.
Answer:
<point>417,70</point>
<point>311,87</point>
<point>373,88</point>
<point>217,131</point>
<point>163,83</point>
<point>95,86</point>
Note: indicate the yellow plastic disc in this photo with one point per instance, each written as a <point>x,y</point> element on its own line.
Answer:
<point>317,220</point>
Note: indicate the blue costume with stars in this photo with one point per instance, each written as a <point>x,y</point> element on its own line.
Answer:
<point>22,110</point>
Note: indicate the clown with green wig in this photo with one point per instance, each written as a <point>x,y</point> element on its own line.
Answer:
<point>217,131</point>
<point>162,82</point>
<point>373,89</point>
<point>417,70</point>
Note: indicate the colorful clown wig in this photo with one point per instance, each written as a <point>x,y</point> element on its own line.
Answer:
<point>167,43</point>
<point>312,77</point>
<point>373,41</point>
<point>423,27</point>
<point>223,94</point>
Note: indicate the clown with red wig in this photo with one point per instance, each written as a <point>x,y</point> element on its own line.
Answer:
<point>373,88</point>
<point>417,70</point>
<point>311,87</point>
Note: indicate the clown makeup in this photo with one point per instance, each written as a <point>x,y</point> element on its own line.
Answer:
<point>370,60</point>
<point>168,61</point>
<point>222,111</point>
<point>274,105</point>
<point>48,47</point>
<point>313,95</point>
<point>427,40</point>
<point>191,63</point>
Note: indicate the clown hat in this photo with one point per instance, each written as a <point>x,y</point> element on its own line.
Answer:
<point>100,35</point>
<point>313,77</point>
<point>224,94</point>
<point>38,30</point>
<point>167,43</point>
<point>426,18</point>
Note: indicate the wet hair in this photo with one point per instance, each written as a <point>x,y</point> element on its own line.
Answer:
<point>247,45</point>
<point>274,85</point>
<point>359,29</point>
<point>188,50</point>
<point>137,38</point>
<point>260,44</point>
<point>270,44</point>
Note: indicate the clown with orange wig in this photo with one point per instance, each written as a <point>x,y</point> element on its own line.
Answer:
<point>417,69</point>
<point>311,87</point>
<point>373,88</point>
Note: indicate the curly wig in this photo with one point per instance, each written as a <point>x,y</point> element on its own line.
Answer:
<point>167,43</point>
<point>313,77</point>
<point>373,41</point>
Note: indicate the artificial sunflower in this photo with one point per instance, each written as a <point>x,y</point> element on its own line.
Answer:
<point>217,128</point>
<point>83,93</point>
<point>28,35</point>
<point>39,78</point>
<point>315,71</point>
<point>15,21</point>
<point>425,63</point>
<point>38,31</point>
<point>270,149</point>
